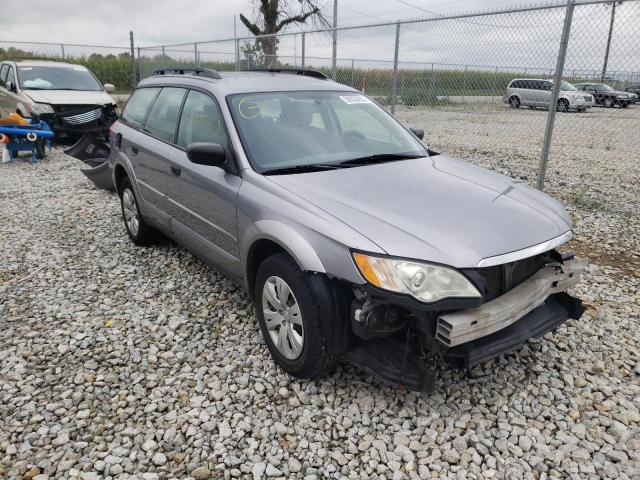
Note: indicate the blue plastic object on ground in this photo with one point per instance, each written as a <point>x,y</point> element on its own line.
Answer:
<point>26,138</point>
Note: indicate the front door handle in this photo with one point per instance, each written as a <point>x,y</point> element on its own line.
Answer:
<point>134,149</point>
<point>176,170</point>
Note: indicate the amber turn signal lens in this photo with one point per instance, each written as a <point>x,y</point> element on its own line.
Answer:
<point>364,265</point>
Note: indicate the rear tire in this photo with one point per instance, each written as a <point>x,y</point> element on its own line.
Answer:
<point>514,102</point>
<point>289,314</point>
<point>139,232</point>
<point>41,153</point>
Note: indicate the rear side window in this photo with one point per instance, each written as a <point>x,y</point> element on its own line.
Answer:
<point>136,109</point>
<point>201,121</point>
<point>516,84</point>
<point>162,121</point>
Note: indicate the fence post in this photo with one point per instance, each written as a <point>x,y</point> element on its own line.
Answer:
<point>394,79</point>
<point>139,64</point>
<point>353,65</point>
<point>237,54</point>
<point>548,132</point>
<point>432,84</point>
<point>133,61</point>
<point>62,48</point>
<point>495,84</point>
<point>195,53</point>
<point>304,41</point>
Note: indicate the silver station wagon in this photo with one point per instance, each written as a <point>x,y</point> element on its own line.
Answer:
<point>535,92</point>
<point>353,238</point>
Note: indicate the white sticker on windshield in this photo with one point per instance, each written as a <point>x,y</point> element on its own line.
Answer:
<point>25,69</point>
<point>352,99</point>
<point>80,69</point>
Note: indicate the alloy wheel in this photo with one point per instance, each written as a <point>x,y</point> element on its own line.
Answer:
<point>130,210</point>
<point>282,317</point>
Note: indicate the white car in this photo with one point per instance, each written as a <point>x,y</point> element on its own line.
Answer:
<point>68,97</point>
<point>536,92</point>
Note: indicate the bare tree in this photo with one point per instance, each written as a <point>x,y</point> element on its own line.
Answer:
<point>275,15</point>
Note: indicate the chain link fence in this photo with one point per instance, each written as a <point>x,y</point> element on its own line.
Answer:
<point>449,75</point>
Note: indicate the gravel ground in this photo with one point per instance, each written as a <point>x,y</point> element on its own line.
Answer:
<point>124,362</point>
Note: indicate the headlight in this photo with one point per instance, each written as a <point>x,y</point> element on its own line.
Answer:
<point>423,281</point>
<point>40,108</point>
<point>623,96</point>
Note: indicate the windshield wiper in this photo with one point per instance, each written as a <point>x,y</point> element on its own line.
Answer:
<point>378,158</point>
<point>313,167</point>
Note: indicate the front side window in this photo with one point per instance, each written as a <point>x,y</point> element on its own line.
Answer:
<point>57,78</point>
<point>201,121</point>
<point>162,121</point>
<point>11,77</point>
<point>603,87</point>
<point>135,111</point>
<point>297,129</point>
<point>3,74</point>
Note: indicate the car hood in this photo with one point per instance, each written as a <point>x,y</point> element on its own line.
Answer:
<point>436,208</point>
<point>69,97</point>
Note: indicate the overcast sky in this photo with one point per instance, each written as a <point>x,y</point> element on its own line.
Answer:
<point>164,21</point>
<point>528,39</point>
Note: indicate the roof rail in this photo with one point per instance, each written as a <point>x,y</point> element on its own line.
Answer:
<point>200,71</point>
<point>295,71</point>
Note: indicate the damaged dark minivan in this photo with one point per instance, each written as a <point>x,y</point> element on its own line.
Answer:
<point>354,239</point>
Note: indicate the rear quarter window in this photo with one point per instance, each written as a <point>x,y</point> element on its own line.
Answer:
<point>136,109</point>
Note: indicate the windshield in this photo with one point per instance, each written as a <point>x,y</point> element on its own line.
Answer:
<point>566,86</point>
<point>281,130</point>
<point>57,78</point>
<point>603,87</point>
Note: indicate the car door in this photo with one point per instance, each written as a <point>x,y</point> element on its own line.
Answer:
<point>203,198</point>
<point>592,90</point>
<point>151,144</point>
<point>4,93</point>
<point>543,92</point>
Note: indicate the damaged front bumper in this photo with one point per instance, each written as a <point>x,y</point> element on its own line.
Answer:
<point>400,344</point>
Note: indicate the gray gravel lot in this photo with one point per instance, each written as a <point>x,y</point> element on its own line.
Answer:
<point>125,362</point>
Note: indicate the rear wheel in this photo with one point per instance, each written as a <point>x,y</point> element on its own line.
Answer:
<point>288,312</point>
<point>514,102</point>
<point>41,153</point>
<point>139,232</point>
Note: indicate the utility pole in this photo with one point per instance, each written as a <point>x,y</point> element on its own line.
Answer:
<point>335,40</point>
<point>606,52</point>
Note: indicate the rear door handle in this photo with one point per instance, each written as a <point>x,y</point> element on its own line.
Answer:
<point>134,149</point>
<point>176,170</point>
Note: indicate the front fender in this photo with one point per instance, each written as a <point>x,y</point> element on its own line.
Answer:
<point>288,238</point>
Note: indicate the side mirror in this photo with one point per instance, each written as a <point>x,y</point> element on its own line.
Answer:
<point>109,87</point>
<point>11,86</point>
<point>203,153</point>
<point>418,132</point>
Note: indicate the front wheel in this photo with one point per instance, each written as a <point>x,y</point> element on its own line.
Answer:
<point>514,102</point>
<point>288,312</point>
<point>563,105</point>
<point>607,103</point>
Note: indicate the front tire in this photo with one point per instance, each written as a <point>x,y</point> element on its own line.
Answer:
<point>563,105</point>
<point>139,232</point>
<point>514,102</point>
<point>289,314</point>
<point>607,103</point>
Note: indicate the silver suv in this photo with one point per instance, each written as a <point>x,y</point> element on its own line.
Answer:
<point>68,97</point>
<point>354,239</point>
<point>534,92</point>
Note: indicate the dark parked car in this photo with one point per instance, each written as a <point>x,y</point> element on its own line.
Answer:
<point>605,95</point>
<point>635,89</point>
<point>353,238</point>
